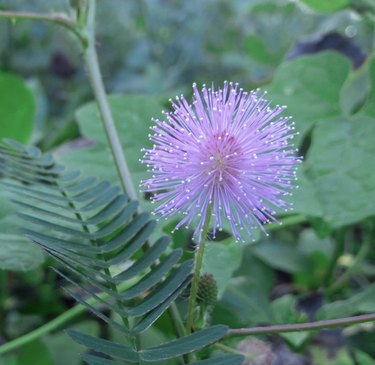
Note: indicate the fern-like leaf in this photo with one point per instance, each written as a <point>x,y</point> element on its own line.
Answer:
<point>100,241</point>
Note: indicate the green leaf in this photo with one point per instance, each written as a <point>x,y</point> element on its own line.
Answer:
<point>285,312</point>
<point>356,89</point>
<point>106,347</point>
<point>322,357</point>
<point>326,6</point>
<point>338,167</point>
<point>60,343</point>
<point>186,345</point>
<point>245,302</point>
<point>222,360</point>
<point>8,360</point>
<point>280,255</point>
<point>132,115</point>
<point>19,254</point>
<point>363,302</point>
<point>35,353</point>
<point>222,259</point>
<point>310,87</point>
<point>95,225</point>
<point>369,108</point>
<point>16,108</point>
<point>95,360</point>
<point>257,50</point>
<point>363,358</point>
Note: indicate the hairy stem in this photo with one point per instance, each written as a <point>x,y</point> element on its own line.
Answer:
<point>197,270</point>
<point>59,321</point>
<point>92,63</point>
<point>342,322</point>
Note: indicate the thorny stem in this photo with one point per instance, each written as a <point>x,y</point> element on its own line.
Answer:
<point>342,322</point>
<point>197,270</point>
<point>92,63</point>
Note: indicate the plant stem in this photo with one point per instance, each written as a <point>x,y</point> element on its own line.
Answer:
<point>178,323</point>
<point>342,322</point>
<point>58,321</point>
<point>287,221</point>
<point>197,269</point>
<point>338,251</point>
<point>56,18</point>
<point>92,63</point>
<point>343,279</point>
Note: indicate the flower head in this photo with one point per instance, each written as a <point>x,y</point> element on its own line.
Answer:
<point>227,153</point>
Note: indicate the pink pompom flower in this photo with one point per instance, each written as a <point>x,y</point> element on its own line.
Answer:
<point>228,153</point>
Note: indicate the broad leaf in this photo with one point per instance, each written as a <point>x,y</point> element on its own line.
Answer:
<point>18,254</point>
<point>324,6</point>
<point>16,108</point>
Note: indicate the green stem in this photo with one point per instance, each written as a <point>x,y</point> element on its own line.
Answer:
<point>56,18</point>
<point>342,322</point>
<point>3,290</point>
<point>338,251</point>
<point>92,63</point>
<point>345,277</point>
<point>178,324</point>
<point>3,298</point>
<point>288,221</point>
<point>59,321</point>
<point>197,269</point>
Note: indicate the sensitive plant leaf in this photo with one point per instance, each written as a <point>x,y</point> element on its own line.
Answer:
<point>105,347</point>
<point>87,228</point>
<point>170,350</point>
<point>186,345</point>
<point>222,360</point>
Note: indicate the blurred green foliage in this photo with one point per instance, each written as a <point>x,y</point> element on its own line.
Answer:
<point>315,56</point>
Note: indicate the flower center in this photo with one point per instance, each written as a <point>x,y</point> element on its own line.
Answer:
<point>224,151</point>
